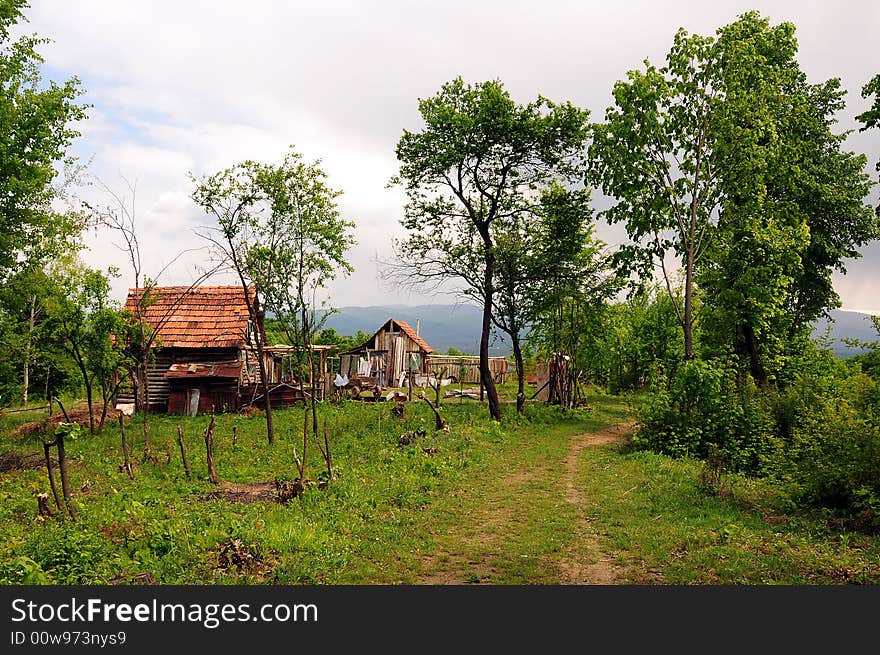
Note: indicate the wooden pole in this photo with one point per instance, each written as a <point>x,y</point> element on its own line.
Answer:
<point>65,485</point>
<point>209,448</point>
<point>46,450</point>
<point>327,451</point>
<point>182,450</point>
<point>127,460</point>
<point>234,435</point>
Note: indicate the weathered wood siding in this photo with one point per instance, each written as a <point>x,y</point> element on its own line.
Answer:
<point>467,368</point>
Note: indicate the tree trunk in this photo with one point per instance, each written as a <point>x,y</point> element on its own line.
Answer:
<point>485,374</point>
<point>65,484</point>
<point>105,397</point>
<point>520,372</point>
<point>25,377</point>
<point>48,391</point>
<point>688,306</point>
<point>43,508</point>
<point>755,365</point>
<point>89,404</point>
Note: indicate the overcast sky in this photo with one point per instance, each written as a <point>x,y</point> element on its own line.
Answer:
<point>196,86</point>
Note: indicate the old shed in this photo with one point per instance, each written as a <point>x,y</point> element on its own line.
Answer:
<point>394,349</point>
<point>204,352</point>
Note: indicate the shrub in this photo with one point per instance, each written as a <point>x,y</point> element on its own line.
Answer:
<point>707,409</point>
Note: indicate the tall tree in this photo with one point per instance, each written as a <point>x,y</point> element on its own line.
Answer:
<point>299,245</point>
<point>655,157</point>
<point>480,159</point>
<point>534,257</point>
<point>233,197</point>
<point>36,128</point>
<point>725,159</point>
<point>794,200</point>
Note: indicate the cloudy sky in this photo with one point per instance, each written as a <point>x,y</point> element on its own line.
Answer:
<point>198,85</point>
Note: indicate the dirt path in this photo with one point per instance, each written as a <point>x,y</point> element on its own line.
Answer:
<point>585,563</point>
<point>479,542</point>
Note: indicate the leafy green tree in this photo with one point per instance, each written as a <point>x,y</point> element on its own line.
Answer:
<point>481,159</point>
<point>725,159</point>
<point>299,246</point>
<point>655,156</point>
<point>278,229</point>
<point>36,128</point>
<point>555,247</point>
<point>232,196</point>
<point>793,199</point>
<point>871,117</point>
<point>83,322</point>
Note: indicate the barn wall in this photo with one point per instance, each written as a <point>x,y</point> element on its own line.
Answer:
<point>159,386</point>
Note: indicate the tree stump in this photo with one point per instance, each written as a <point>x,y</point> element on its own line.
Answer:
<point>43,505</point>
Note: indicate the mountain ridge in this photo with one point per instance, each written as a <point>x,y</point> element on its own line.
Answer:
<point>458,326</point>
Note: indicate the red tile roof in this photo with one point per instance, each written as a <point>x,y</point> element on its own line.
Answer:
<point>404,327</point>
<point>412,335</point>
<point>198,317</point>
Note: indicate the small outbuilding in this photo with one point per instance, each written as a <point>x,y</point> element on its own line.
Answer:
<point>204,355</point>
<point>388,355</point>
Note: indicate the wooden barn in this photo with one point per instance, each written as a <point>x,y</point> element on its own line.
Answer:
<point>204,356</point>
<point>393,350</point>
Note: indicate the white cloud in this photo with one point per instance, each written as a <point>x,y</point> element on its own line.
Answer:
<point>196,86</point>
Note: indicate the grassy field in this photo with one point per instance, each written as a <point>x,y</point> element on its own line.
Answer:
<point>484,502</point>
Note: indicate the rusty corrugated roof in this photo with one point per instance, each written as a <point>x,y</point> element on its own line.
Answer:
<point>197,317</point>
<point>229,370</point>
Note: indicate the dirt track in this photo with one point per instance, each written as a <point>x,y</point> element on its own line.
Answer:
<point>595,568</point>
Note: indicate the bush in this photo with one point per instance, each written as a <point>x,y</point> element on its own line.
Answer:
<point>818,435</point>
<point>830,445</point>
<point>706,409</point>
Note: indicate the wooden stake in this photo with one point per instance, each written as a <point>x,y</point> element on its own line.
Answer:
<point>234,435</point>
<point>209,448</point>
<point>65,485</point>
<point>182,450</point>
<point>46,451</point>
<point>302,471</point>
<point>127,460</point>
<point>327,451</point>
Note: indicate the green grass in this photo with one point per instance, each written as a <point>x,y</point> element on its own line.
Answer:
<point>665,526</point>
<point>483,502</point>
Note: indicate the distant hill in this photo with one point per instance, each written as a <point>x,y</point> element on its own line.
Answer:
<point>458,326</point>
<point>442,326</point>
<point>846,325</point>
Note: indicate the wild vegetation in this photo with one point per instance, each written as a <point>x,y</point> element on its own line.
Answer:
<point>755,453</point>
